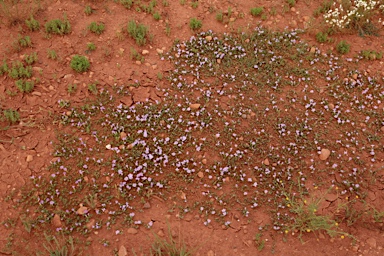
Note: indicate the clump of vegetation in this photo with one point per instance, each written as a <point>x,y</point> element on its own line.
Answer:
<point>291,3</point>
<point>219,16</point>
<point>322,37</point>
<point>371,54</point>
<point>30,59</point>
<point>96,28</point>
<point>11,115</point>
<point>79,63</point>
<point>257,11</point>
<point>57,26</point>
<point>91,46</point>
<point>139,32</point>
<point>88,10</point>
<point>22,42</point>
<point>195,24</point>
<point>127,3</point>
<point>52,54</point>
<point>25,86</point>
<point>32,24</point>
<point>343,47</point>
<point>194,4</point>
<point>157,16</point>
<point>18,70</point>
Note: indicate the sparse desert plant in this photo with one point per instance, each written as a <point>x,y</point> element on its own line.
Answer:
<point>24,41</point>
<point>219,16</point>
<point>25,86</point>
<point>127,3</point>
<point>18,70</point>
<point>157,16</point>
<point>52,54</point>
<point>195,24</point>
<point>291,3</point>
<point>32,24</point>
<point>79,63</point>
<point>57,26</point>
<point>322,37</point>
<point>30,59</point>
<point>91,46</point>
<point>194,4</point>
<point>139,32</point>
<point>11,115</point>
<point>343,47</point>
<point>96,28</point>
<point>371,54</point>
<point>257,11</point>
<point>88,10</point>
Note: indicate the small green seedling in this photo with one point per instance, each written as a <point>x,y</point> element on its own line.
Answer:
<point>79,63</point>
<point>32,24</point>
<point>257,11</point>
<point>58,27</point>
<point>195,24</point>
<point>96,28</point>
<point>343,47</point>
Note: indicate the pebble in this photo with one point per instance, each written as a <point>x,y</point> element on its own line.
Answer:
<point>82,210</point>
<point>145,52</point>
<point>159,51</point>
<point>29,158</point>
<point>90,224</point>
<point>123,135</point>
<point>204,161</point>
<point>56,222</point>
<point>210,253</point>
<point>371,242</point>
<point>132,231</point>
<point>200,174</point>
<point>138,62</point>
<point>194,106</point>
<point>122,251</point>
<point>146,205</point>
<point>36,93</point>
<point>325,153</point>
<point>208,38</point>
<point>266,161</point>
<point>160,233</point>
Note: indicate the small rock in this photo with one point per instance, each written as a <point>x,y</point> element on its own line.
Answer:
<point>146,205</point>
<point>218,61</point>
<point>325,153</point>
<point>122,251</point>
<point>331,106</point>
<point>208,38</point>
<point>145,52</point>
<point>200,174</point>
<point>160,233</point>
<point>82,210</point>
<point>232,19</point>
<point>173,233</point>
<point>138,62</point>
<point>354,76</point>
<point>194,106</point>
<point>132,231</point>
<point>331,197</point>
<point>371,242</point>
<point>266,161</point>
<point>111,78</point>
<point>204,161</point>
<point>123,135</point>
<point>29,158</point>
<point>90,224</point>
<point>154,67</point>
<point>36,93</point>
<point>293,9</point>
<point>37,69</point>
<point>67,76</point>
<point>56,222</point>
<point>159,51</point>
<point>312,50</point>
<point>210,253</point>
<point>382,129</point>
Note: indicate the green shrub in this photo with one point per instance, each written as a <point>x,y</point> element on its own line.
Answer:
<point>11,115</point>
<point>195,24</point>
<point>127,3</point>
<point>137,32</point>
<point>219,16</point>
<point>24,41</point>
<point>32,24</point>
<point>291,3</point>
<point>91,46</point>
<point>322,37</point>
<point>79,63</point>
<point>19,71</point>
<point>157,16</point>
<point>257,11</point>
<point>343,47</point>
<point>96,28</point>
<point>30,59</point>
<point>25,86</point>
<point>371,54</point>
<point>88,10</point>
<point>52,54</point>
<point>58,27</point>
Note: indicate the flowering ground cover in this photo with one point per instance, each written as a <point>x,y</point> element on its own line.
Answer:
<point>192,128</point>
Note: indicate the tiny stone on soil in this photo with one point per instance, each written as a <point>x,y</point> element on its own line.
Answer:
<point>325,153</point>
<point>147,206</point>
<point>194,106</point>
<point>56,222</point>
<point>371,242</point>
<point>123,251</point>
<point>29,158</point>
<point>132,231</point>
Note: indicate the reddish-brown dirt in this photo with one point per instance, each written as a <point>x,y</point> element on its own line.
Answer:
<point>26,148</point>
